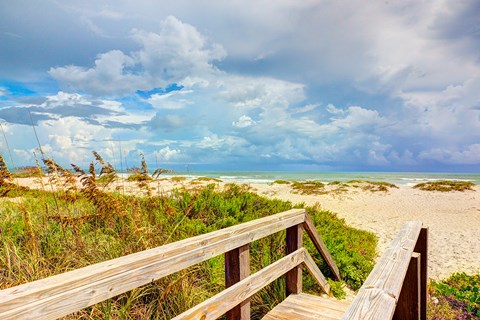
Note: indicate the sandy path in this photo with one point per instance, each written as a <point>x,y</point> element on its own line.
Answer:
<point>453,219</point>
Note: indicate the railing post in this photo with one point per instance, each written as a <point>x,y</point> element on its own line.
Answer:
<point>293,277</point>
<point>237,267</point>
<point>408,305</point>
<point>422,248</point>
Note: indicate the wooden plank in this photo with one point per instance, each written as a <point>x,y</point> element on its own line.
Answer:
<point>379,294</point>
<point>230,297</point>
<point>408,305</point>
<point>320,245</point>
<point>315,272</point>
<point>237,268</point>
<point>305,307</point>
<point>293,278</point>
<point>422,248</point>
<point>62,294</point>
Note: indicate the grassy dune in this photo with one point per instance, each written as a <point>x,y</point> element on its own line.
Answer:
<point>44,233</point>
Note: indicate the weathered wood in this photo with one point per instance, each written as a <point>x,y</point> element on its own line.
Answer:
<point>237,268</point>
<point>307,307</point>
<point>422,248</point>
<point>379,294</point>
<point>230,297</point>
<point>294,240</point>
<point>408,305</point>
<point>315,272</point>
<point>60,295</point>
<point>320,245</point>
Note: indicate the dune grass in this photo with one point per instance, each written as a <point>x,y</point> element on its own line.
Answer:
<point>445,186</point>
<point>45,233</point>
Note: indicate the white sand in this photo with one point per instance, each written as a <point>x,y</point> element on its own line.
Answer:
<point>453,218</point>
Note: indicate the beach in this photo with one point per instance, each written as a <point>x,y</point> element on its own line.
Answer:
<point>453,218</point>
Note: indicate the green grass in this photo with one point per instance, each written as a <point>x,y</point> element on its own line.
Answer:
<point>373,186</point>
<point>308,187</point>
<point>48,234</point>
<point>281,182</point>
<point>457,297</point>
<point>445,186</point>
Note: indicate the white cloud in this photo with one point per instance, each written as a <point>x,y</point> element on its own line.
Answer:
<point>65,99</point>
<point>248,93</point>
<point>243,122</point>
<point>3,91</point>
<point>178,51</point>
<point>167,154</point>
<point>467,156</point>
<point>112,74</point>
<point>172,100</point>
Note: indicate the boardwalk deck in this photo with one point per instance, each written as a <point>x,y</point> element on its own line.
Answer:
<point>305,307</point>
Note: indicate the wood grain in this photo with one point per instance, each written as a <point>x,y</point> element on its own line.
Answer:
<point>237,268</point>
<point>315,272</point>
<point>307,307</point>
<point>293,278</point>
<point>379,294</point>
<point>60,295</point>
<point>230,297</point>
<point>320,245</point>
<point>422,248</point>
<point>408,305</point>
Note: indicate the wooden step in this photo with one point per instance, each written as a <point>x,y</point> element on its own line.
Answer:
<point>305,306</point>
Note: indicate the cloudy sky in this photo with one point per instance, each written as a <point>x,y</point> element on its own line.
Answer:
<point>243,85</point>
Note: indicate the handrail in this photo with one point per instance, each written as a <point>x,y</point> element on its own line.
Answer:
<point>65,293</point>
<point>396,287</point>
<point>217,305</point>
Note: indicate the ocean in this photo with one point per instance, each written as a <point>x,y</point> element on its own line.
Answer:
<point>398,178</point>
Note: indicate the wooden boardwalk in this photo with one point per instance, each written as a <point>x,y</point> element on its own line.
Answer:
<point>395,289</point>
<point>308,307</point>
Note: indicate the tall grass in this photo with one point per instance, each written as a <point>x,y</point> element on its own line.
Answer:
<point>44,233</point>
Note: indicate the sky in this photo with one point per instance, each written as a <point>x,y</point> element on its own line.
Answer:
<point>286,85</point>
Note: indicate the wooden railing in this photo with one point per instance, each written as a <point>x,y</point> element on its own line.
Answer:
<point>60,295</point>
<point>397,286</point>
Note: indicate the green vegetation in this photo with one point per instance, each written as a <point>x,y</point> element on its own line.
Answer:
<point>457,297</point>
<point>445,186</point>
<point>281,182</point>
<point>47,233</point>
<point>308,187</point>
<point>372,186</point>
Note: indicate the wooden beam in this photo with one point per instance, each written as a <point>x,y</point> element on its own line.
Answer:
<point>320,245</point>
<point>378,296</point>
<point>422,248</point>
<point>230,297</point>
<point>315,272</point>
<point>408,305</point>
<point>60,295</point>
<point>237,268</point>
<point>294,240</point>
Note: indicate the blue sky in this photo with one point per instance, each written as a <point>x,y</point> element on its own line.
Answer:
<point>244,85</point>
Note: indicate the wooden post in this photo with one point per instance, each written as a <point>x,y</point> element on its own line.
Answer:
<point>293,277</point>
<point>408,305</point>
<point>237,267</point>
<point>422,248</point>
